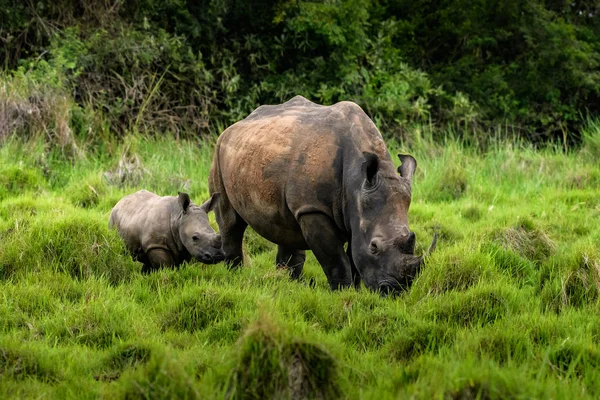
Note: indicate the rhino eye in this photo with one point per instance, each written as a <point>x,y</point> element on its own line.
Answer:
<point>195,238</point>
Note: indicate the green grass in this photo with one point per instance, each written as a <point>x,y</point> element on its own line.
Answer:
<point>507,306</point>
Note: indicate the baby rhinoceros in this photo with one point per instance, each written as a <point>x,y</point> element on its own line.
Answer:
<point>165,231</point>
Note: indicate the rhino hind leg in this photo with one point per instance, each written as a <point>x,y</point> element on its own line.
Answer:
<point>323,238</point>
<point>155,259</point>
<point>292,259</point>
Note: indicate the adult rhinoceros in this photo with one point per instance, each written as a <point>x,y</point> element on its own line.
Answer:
<point>313,177</point>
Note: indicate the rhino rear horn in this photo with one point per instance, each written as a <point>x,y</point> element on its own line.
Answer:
<point>429,250</point>
<point>210,204</point>
<point>184,201</point>
<point>408,167</point>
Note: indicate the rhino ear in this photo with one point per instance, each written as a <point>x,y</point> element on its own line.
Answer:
<point>408,167</point>
<point>210,204</point>
<point>184,201</point>
<point>370,167</point>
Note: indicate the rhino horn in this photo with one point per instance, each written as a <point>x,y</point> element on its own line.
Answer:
<point>430,249</point>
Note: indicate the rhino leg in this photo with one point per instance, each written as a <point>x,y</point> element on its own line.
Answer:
<point>232,228</point>
<point>323,238</point>
<point>291,258</point>
<point>355,274</point>
<point>155,259</point>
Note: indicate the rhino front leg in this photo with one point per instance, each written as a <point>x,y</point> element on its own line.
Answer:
<point>355,274</point>
<point>323,238</point>
<point>292,259</point>
<point>232,228</point>
<point>155,259</point>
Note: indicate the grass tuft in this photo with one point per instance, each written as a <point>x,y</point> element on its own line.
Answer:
<point>96,323</point>
<point>164,376</point>
<point>129,355</point>
<point>527,240</point>
<point>21,362</point>
<point>511,263</point>
<point>419,337</point>
<point>571,279</point>
<point>502,345</point>
<point>572,358</point>
<point>273,365</point>
<point>18,179</point>
<point>197,309</point>
<point>86,192</point>
<point>66,241</point>
<point>457,268</point>
<point>478,306</point>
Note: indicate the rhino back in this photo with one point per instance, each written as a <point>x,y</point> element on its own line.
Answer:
<point>287,160</point>
<point>143,220</point>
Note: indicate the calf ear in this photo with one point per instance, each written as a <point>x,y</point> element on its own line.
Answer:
<point>408,167</point>
<point>370,167</point>
<point>184,201</point>
<point>209,204</point>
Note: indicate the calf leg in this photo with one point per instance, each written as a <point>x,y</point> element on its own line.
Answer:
<point>323,238</point>
<point>291,258</point>
<point>156,258</point>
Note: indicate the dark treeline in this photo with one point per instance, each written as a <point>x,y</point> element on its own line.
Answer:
<point>531,66</point>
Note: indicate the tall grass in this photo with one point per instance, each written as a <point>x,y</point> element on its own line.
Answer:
<point>505,308</point>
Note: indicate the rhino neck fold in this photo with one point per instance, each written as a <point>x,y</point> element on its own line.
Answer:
<point>174,227</point>
<point>352,182</point>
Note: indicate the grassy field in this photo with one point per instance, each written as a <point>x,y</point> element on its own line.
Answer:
<point>507,307</point>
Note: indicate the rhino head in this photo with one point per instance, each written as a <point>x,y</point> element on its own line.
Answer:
<point>383,248</point>
<point>195,232</point>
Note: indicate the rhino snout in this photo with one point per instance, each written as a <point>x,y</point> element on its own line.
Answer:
<point>211,256</point>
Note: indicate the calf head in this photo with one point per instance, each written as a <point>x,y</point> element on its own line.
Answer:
<point>383,248</point>
<point>195,232</point>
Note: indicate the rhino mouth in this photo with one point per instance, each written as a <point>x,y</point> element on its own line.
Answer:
<point>211,258</point>
<point>391,286</point>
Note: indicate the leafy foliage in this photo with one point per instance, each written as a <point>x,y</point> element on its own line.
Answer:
<point>189,67</point>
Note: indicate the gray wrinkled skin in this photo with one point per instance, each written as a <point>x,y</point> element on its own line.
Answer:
<point>312,177</point>
<point>165,231</point>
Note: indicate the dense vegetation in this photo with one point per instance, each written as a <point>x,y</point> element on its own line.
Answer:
<point>507,306</point>
<point>152,65</point>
